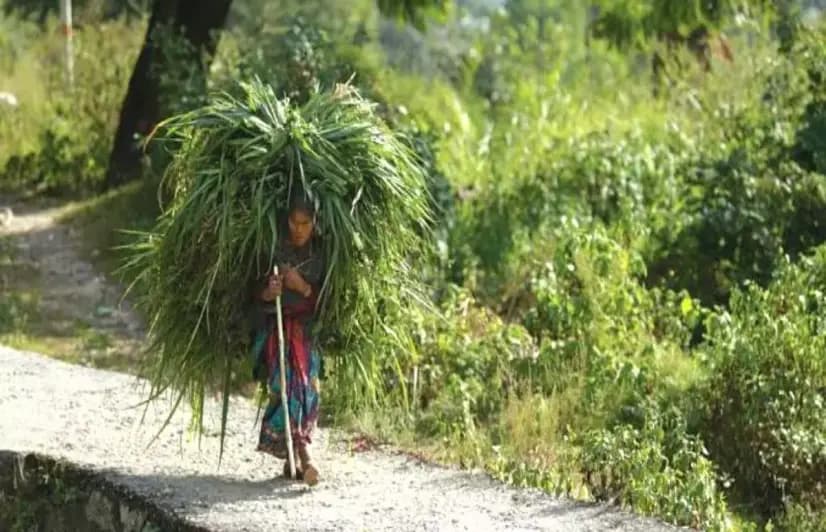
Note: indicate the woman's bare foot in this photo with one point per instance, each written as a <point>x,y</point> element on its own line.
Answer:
<point>310,473</point>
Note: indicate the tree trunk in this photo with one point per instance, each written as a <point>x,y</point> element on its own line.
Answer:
<point>199,23</point>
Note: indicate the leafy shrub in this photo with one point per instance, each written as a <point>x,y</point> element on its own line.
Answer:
<point>628,181</point>
<point>295,58</point>
<point>606,343</point>
<point>760,196</point>
<point>466,364</point>
<point>810,52</point>
<point>768,387</point>
<point>588,275</point>
<point>611,367</point>
<point>658,469</point>
<point>180,72</point>
<point>600,329</point>
<point>69,149</point>
<point>799,518</point>
<point>575,282</point>
<point>709,211</point>
<point>743,212</point>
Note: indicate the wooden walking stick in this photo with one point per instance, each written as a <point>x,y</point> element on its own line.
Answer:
<point>283,374</point>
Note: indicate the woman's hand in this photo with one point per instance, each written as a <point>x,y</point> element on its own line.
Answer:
<point>273,288</point>
<point>294,281</point>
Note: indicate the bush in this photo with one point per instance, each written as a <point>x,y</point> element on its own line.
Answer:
<point>466,366</point>
<point>576,288</point>
<point>767,392</point>
<point>70,130</point>
<point>709,206</point>
<point>295,58</point>
<point>630,182</point>
<point>658,469</point>
<point>745,212</point>
<point>799,518</point>
<point>810,52</point>
<point>759,195</point>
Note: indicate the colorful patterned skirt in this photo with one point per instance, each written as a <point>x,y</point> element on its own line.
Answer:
<point>303,364</point>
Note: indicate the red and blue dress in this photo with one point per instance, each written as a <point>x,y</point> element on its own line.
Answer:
<point>301,357</point>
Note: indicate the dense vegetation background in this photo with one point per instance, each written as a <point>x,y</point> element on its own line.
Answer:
<point>629,269</point>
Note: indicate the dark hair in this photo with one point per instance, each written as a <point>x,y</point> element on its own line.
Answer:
<point>301,200</point>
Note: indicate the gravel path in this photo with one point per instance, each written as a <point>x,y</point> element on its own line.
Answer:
<point>72,294</point>
<point>87,417</point>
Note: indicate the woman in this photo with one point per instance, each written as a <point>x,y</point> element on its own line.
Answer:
<point>301,271</point>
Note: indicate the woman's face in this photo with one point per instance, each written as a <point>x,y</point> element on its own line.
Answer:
<point>301,227</point>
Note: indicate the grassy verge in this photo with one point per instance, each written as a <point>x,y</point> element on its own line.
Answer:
<point>101,220</point>
<point>29,322</point>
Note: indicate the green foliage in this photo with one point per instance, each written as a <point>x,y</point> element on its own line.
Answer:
<point>528,39</point>
<point>180,71</point>
<point>743,216</point>
<point>83,11</point>
<point>58,139</point>
<point>799,518</point>
<point>609,355</point>
<point>296,58</point>
<point>467,365</point>
<point>415,12</point>
<point>600,331</point>
<point>634,23</point>
<point>627,181</point>
<point>761,197</point>
<point>810,52</point>
<point>766,394</point>
<point>582,229</point>
<point>658,469</point>
<point>707,213</point>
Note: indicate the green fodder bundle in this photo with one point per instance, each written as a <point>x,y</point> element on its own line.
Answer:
<point>235,164</point>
